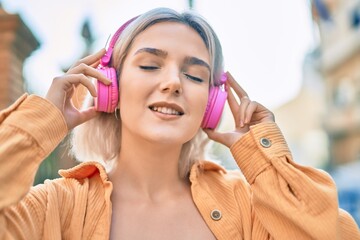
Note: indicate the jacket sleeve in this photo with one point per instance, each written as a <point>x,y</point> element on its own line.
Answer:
<point>30,129</point>
<point>289,201</point>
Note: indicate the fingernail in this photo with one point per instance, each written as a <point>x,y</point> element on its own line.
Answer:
<point>241,123</point>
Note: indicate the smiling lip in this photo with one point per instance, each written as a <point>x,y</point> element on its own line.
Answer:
<point>166,110</point>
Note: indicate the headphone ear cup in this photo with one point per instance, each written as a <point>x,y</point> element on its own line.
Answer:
<point>107,95</point>
<point>214,108</point>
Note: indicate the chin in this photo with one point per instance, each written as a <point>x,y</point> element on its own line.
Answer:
<point>170,136</point>
<point>170,139</point>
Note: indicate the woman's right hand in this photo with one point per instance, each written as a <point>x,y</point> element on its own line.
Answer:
<point>63,87</point>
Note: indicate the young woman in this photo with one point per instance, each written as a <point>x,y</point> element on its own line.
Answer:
<point>157,186</point>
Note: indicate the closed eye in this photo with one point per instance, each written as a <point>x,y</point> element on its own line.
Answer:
<point>148,67</point>
<point>188,76</point>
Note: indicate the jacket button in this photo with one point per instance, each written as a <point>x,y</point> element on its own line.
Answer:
<point>265,142</point>
<point>216,215</point>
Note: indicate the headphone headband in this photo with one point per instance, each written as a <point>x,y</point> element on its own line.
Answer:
<point>104,61</point>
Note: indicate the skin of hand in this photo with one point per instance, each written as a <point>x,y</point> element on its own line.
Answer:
<point>62,89</point>
<point>246,113</point>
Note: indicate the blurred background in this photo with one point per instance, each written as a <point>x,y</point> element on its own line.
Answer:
<point>300,58</point>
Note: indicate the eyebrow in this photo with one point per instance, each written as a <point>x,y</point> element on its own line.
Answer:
<point>197,61</point>
<point>154,51</point>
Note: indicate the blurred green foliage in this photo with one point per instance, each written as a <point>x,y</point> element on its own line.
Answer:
<point>48,168</point>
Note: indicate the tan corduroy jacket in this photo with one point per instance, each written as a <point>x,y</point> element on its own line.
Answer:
<point>278,199</point>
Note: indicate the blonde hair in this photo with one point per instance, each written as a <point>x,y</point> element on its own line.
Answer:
<point>99,138</point>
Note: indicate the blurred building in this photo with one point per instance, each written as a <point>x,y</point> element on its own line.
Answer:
<point>301,119</point>
<point>340,66</point>
<point>339,35</point>
<point>322,124</point>
<point>16,44</point>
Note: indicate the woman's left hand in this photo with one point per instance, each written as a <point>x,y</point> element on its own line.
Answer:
<point>246,113</point>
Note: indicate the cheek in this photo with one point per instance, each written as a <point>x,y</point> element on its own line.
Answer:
<point>200,101</point>
<point>123,94</point>
<point>129,94</point>
<point>205,102</point>
<point>131,87</point>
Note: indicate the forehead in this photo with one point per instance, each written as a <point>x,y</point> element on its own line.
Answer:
<point>170,35</point>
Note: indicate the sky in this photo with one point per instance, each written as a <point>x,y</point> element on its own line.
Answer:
<point>264,42</point>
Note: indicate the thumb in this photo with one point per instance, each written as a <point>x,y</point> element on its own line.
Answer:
<point>218,137</point>
<point>87,114</point>
<point>83,116</point>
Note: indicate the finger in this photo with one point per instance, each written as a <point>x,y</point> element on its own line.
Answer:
<point>91,59</point>
<point>237,88</point>
<point>90,72</point>
<point>234,107</point>
<point>95,64</point>
<point>250,111</point>
<point>76,79</point>
<point>244,103</point>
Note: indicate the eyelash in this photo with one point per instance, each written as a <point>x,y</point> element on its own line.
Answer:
<point>193,78</point>
<point>188,76</point>
<point>149,67</point>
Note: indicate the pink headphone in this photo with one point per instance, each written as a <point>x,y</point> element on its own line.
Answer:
<point>108,96</point>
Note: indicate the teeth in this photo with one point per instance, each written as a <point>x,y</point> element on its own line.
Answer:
<point>165,110</point>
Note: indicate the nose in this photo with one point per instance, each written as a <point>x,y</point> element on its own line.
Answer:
<point>171,83</point>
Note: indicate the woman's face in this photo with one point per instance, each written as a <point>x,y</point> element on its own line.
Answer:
<point>164,84</point>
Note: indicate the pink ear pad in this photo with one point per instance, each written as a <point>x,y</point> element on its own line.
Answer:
<point>214,109</point>
<point>107,95</point>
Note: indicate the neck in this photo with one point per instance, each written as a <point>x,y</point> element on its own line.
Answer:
<point>147,170</point>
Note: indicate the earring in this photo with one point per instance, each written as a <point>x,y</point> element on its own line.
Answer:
<point>117,113</point>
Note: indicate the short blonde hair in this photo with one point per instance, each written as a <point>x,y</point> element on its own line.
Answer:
<point>99,138</point>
